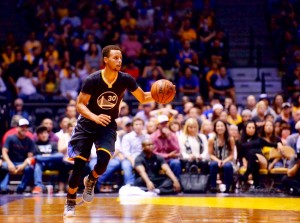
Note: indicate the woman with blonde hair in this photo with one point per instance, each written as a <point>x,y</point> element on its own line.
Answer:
<point>193,146</point>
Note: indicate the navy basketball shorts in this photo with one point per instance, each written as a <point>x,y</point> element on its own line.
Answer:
<point>81,142</point>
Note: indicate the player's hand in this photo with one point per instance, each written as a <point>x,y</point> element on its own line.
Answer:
<point>103,119</point>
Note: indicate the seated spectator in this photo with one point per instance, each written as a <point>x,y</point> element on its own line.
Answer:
<point>277,103</point>
<point>250,102</point>
<point>221,84</point>
<point>221,150</point>
<point>69,86</point>
<point>131,47</point>
<point>186,56</point>
<point>131,147</point>
<point>47,157</point>
<point>18,109</point>
<point>233,115</point>
<point>27,85</point>
<point>286,113</point>
<point>291,182</point>
<point>50,86</point>
<point>93,58</point>
<point>193,147</point>
<point>63,124</point>
<point>264,98</point>
<point>48,122</point>
<point>17,152</point>
<point>148,166</point>
<point>189,84</point>
<point>186,31</point>
<point>294,140</point>
<point>166,144</point>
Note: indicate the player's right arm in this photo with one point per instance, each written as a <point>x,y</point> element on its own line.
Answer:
<point>81,105</point>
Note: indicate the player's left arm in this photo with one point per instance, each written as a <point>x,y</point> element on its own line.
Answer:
<point>142,96</point>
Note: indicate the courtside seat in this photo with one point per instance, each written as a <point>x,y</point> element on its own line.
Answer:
<point>242,170</point>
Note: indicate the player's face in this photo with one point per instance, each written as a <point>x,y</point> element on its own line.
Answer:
<point>114,61</point>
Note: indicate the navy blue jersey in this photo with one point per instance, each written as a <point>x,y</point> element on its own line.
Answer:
<point>105,99</point>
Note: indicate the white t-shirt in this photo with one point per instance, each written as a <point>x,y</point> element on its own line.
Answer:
<point>26,86</point>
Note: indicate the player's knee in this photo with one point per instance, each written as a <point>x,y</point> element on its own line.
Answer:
<point>78,168</point>
<point>103,157</point>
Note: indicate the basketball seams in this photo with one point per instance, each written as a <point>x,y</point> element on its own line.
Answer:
<point>162,91</point>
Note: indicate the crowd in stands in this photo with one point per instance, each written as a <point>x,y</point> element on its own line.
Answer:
<point>232,144</point>
<point>177,40</point>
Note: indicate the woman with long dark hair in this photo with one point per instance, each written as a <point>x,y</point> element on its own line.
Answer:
<point>221,149</point>
<point>250,152</point>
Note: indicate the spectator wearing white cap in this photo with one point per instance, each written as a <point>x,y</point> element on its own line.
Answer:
<point>269,109</point>
<point>17,154</point>
<point>166,144</point>
<point>217,110</point>
<point>286,113</point>
<point>294,140</point>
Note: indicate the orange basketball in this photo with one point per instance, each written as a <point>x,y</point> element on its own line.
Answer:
<point>163,91</point>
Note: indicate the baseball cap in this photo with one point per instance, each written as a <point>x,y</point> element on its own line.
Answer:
<point>263,96</point>
<point>162,118</point>
<point>217,106</point>
<point>23,121</point>
<point>286,105</point>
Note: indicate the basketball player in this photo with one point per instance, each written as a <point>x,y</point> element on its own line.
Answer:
<point>98,106</point>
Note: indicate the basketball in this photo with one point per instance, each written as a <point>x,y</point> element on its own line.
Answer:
<point>163,91</point>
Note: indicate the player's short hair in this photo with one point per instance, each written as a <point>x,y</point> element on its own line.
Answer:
<point>106,50</point>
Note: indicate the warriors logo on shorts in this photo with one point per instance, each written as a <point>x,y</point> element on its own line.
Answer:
<point>107,100</point>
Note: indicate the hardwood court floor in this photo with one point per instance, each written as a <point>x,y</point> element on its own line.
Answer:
<point>183,208</point>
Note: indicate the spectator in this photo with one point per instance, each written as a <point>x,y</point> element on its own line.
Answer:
<point>193,147</point>
<point>93,58</point>
<point>123,159</point>
<point>250,102</point>
<point>14,129</point>
<point>233,115</point>
<point>27,85</point>
<point>166,144</point>
<point>222,84</point>
<point>69,86</point>
<point>291,182</point>
<point>186,56</point>
<point>63,124</point>
<point>277,103</point>
<point>221,150</point>
<point>250,153</point>
<point>294,140</point>
<point>47,157</point>
<point>148,166</point>
<point>286,113</point>
<point>189,84</point>
<point>18,109</point>
<point>269,109</point>
<point>17,153</point>
<point>132,47</point>
<point>48,122</point>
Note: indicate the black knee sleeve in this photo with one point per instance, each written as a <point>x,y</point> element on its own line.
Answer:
<point>103,158</point>
<point>78,169</point>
